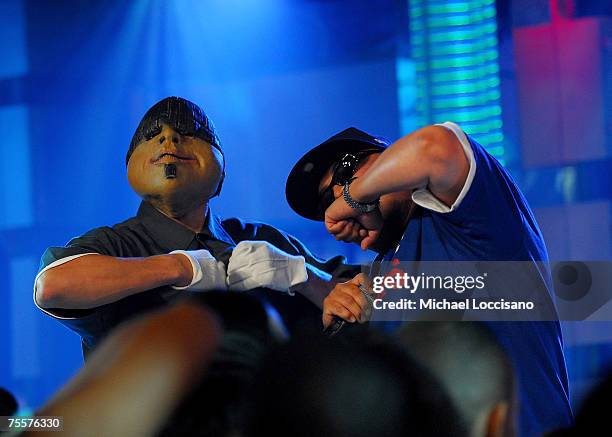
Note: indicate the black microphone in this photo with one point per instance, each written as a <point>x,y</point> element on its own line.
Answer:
<point>337,323</point>
<point>334,327</point>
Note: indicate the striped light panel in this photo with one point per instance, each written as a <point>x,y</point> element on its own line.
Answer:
<point>453,71</point>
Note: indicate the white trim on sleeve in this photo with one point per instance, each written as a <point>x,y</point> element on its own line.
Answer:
<point>56,263</point>
<point>426,199</point>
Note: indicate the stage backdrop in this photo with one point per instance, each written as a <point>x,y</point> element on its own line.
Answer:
<point>277,78</point>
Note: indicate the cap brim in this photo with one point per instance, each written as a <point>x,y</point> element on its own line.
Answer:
<point>302,188</point>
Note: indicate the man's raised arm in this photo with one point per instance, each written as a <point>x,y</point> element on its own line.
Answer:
<point>430,157</point>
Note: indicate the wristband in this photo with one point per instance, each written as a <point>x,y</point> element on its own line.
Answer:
<point>362,207</point>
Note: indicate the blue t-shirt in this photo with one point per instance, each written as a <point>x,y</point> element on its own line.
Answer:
<point>491,221</point>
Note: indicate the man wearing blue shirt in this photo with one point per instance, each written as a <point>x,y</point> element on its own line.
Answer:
<point>436,195</point>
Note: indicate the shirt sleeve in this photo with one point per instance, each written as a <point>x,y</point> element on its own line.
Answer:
<point>426,199</point>
<point>95,242</point>
<point>489,209</point>
<point>336,266</point>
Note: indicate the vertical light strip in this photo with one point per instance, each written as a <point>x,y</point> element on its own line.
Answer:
<point>15,178</point>
<point>25,356</point>
<point>453,71</point>
<point>12,33</point>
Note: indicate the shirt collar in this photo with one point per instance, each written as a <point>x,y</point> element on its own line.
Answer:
<point>217,231</point>
<point>172,235</point>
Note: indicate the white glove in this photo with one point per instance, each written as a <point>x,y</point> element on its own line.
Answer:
<point>255,264</point>
<point>208,273</point>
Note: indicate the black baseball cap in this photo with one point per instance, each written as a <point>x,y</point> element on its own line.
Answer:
<point>302,189</point>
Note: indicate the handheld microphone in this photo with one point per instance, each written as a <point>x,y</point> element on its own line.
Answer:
<point>337,323</point>
<point>334,327</point>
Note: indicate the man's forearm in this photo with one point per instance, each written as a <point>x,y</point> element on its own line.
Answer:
<point>94,280</point>
<point>431,156</point>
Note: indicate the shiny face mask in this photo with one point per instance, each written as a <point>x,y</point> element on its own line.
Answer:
<point>186,118</point>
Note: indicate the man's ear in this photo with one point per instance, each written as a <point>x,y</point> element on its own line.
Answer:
<point>499,421</point>
<point>219,185</point>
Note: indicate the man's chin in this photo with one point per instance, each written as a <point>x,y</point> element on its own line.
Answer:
<point>171,189</point>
